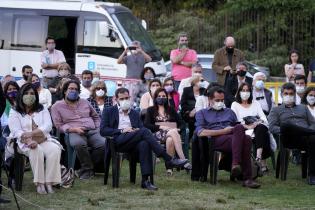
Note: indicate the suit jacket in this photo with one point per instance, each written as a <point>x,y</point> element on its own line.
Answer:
<point>220,61</point>
<point>188,100</point>
<point>268,95</point>
<point>110,121</point>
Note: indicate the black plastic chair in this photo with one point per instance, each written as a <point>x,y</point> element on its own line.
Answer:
<point>112,154</point>
<point>18,162</point>
<point>283,162</point>
<point>214,156</point>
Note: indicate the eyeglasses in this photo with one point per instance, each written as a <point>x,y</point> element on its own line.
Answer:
<point>99,88</point>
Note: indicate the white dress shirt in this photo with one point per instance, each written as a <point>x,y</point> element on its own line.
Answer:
<point>85,92</point>
<point>124,120</point>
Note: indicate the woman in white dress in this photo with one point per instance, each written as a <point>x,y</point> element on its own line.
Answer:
<point>31,124</point>
<point>257,127</point>
<point>44,94</point>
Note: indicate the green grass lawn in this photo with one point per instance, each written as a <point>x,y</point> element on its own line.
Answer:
<point>176,192</point>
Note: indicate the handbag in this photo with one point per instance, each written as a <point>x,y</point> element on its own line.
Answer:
<point>67,177</point>
<point>251,119</point>
<point>40,138</point>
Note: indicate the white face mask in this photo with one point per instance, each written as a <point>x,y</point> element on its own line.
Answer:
<point>245,95</point>
<point>300,89</point>
<point>288,100</point>
<point>100,93</point>
<point>125,104</point>
<point>63,73</point>
<point>218,105</point>
<point>310,100</point>
<point>196,74</point>
<point>259,84</point>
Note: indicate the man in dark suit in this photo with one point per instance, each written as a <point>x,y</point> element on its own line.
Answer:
<point>234,80</point>
<point>124,124</point>
<point>2,140</point>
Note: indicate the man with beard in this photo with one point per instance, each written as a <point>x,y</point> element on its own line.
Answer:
<point>26,72</point>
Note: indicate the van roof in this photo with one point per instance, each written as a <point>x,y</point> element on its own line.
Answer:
<point>73,5</point>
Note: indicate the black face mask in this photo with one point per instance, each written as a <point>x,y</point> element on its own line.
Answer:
<point>230,50</point>
<point>241,73</point>
<point>161,101</point>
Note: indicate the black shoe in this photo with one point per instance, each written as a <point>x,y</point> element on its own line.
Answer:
<point>175,163</point>
<point>147,185</point>
<point>3,200</point>
<point>311,180</point>
<point>203,179</point>
<point>84,175</point>
<point>236,171</point>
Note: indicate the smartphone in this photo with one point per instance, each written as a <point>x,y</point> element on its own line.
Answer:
<point>132,48</point>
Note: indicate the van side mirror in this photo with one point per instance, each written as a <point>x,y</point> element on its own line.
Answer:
<point>103,28</point>
<point>144,24</point>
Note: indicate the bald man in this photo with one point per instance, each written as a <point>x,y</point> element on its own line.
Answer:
<point>225,60</point>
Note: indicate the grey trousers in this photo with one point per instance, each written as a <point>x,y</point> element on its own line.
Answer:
<point>95,141</point>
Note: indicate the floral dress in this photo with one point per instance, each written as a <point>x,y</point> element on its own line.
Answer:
<point>161,135</point>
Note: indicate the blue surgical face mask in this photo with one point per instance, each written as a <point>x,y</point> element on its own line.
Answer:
<point>87,83</point>
<point>73,95</point>
<point>12,94</point>
<point>259,84</point>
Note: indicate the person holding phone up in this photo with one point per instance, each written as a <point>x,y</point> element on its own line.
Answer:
<point>182,59</point>
<point>135,61</point>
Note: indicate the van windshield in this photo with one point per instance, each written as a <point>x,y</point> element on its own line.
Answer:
<point>132,30</point>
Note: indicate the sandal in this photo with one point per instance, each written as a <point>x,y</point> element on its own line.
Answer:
<point>187,166</point>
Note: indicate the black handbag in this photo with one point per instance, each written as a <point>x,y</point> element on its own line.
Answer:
<point>251,119</point>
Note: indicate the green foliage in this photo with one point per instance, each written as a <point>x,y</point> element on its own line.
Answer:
<point>273,57</point>
<point>272,27</point>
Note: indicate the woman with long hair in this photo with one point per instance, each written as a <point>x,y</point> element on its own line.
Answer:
<point>293,67</point>
<point>251,115</point>
<point>164,122</point>
<point>31,124</point>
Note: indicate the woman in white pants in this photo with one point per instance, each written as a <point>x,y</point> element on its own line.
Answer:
<point>31,123</point>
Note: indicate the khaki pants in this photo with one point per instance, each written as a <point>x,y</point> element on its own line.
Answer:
<point>48,171</point>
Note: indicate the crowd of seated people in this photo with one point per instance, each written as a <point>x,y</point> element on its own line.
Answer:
<point>84,112</point>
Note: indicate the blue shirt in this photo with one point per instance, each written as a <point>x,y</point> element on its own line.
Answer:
<point>214,120</point>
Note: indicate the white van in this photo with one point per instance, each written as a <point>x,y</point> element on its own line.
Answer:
<point>92,35</point>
